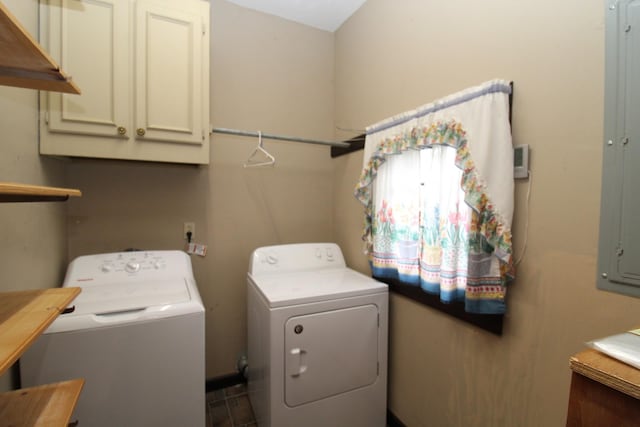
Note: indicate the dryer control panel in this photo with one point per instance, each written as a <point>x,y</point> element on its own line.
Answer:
<point>296,257</point>
<point>127,266</point>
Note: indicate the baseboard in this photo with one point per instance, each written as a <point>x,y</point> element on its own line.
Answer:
<point>393,421</point>
<point>224,381</point>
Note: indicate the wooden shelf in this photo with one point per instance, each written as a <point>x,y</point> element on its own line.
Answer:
<point>47,405</point>
<point>24,315</point>
<point>23,62</point>
<point>13,192</point>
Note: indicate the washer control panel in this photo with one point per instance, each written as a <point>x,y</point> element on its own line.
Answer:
<point>296,257</point>
<point>121,266</point>
<point>131,262</point>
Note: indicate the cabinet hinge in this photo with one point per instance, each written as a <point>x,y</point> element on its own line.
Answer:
<point>619,250</point>
<point>204,29</point>
<point>627,29</point>
<point>46,118</point>
<point>625,140</point>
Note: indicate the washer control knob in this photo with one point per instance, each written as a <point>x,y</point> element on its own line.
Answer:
<point>132,267</point>
<point>106,268</point>
<point>272,259</point>
<point>329,254</point>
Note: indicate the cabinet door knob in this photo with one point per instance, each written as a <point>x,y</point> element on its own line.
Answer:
<point>122,130</point>
<point>140,132</point>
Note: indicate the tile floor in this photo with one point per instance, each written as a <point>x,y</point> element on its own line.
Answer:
<point>230,407</point>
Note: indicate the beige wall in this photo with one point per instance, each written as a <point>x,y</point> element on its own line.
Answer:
<point>32,235</point>
<point>267,74</point>
<point>394,55</point>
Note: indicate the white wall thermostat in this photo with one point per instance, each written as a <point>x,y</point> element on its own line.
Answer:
<point>521,161</point>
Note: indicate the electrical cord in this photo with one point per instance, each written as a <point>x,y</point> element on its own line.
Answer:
<point>526,220</point>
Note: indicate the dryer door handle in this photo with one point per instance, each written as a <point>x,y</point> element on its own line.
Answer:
<point>295,362</point>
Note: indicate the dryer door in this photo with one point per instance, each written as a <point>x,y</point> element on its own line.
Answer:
<point>330,353</point>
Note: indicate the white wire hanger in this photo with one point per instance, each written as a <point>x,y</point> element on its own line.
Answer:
<point>254,159</point>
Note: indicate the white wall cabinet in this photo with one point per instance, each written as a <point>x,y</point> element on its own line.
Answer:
<point>144,69</point>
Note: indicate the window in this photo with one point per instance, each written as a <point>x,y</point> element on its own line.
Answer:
<point>437,187</point>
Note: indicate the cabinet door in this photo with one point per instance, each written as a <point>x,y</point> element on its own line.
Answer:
<point>169,55</point>
<point>89,39</point>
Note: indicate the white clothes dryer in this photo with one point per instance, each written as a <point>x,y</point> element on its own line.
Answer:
<point>136,335</point>
<point>317,335</point>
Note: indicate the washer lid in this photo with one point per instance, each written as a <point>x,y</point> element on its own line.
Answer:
<point>127,296</point>
<point>305,287</point>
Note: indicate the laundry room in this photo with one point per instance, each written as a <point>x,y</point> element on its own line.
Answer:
<point>272,75</point>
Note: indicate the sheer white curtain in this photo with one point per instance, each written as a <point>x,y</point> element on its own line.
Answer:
<point>437,186</point>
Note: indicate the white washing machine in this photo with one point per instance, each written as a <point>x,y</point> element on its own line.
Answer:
<point>317,339</point>
<point>136,336</point>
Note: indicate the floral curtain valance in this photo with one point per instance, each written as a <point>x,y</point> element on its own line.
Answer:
<point>437,187</point>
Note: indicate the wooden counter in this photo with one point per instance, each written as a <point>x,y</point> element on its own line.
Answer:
<point>604,391</point>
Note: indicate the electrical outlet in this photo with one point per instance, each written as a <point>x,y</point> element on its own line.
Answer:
<point>189,227</point>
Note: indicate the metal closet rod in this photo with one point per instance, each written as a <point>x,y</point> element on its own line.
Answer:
<point>280,137</point>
